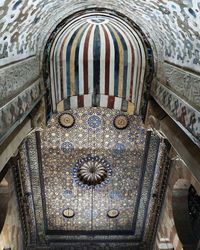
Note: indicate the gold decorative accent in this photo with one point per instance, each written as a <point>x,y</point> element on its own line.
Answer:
<point>113,213</point>
<point>68,213</point>
<point>121,122</point>
<point>66,120</point>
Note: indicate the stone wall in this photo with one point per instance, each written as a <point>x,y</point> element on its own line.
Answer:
<point>11,234</point>
<point>167,237</point>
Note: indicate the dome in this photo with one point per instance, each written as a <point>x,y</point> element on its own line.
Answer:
<point>97,60</point>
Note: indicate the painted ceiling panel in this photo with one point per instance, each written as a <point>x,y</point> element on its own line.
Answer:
<point>93,134</point>
<point>173,24</point>
<point>88,177</point>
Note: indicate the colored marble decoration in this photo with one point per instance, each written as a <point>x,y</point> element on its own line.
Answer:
<point>92,172</point>
<point>66,120</point>
<point>94,121</point>
<point>67,147</point>
<point>109,69</point>
<point>183,114</point>
<point>121,122</point>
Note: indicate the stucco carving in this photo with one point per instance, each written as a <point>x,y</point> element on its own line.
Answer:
<point>18,108</point>
<point>183,83</point>
<point>15,77</point>
<point>186,116</point>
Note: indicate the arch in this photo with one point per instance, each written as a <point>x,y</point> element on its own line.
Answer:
<point>98,59</point>
<point>181,214</point>
<point>4,198</point>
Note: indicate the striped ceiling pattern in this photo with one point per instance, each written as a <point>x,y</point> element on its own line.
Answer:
<point>100,55</point>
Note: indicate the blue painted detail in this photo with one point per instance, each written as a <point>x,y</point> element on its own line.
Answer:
<point>36,20</point>
<point>115,195</point>
<point>67,147</point>
<point>68,194</point>
<point>118,149</point>
<point>16,4</point>
<point>192,12</point>
<point>94,121</point>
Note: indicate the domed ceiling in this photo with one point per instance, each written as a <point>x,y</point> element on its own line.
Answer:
<point>97,54</point>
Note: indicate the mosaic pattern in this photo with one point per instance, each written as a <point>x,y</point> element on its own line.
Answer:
<point>122,152</point>
<point>98,54</point>
<point>18,108</point>
<point>185,115</point>
<point>53,186</point>
<point>94,121</point>
<point>100,139</point>
<point>172,24</point>
<point>67,147</point>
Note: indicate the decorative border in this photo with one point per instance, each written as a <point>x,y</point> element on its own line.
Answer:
<point>182,113</point>
<point>182,82</point>
<point>17,109</point>
<point>17,77</point>
<point>96,100</point>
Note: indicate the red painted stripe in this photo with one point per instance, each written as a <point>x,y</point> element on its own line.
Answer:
<point>85,60</point>
<point>132,71</point>
<point>107,62</point>
<point>111,101</point>
<point>81,101</point>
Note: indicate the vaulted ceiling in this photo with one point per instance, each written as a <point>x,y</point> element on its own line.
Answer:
<point>82,177</point>
<point>171,25</point>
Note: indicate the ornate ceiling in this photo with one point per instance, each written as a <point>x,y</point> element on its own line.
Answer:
<point>94,175</point>
<point>97,54</point>
<point>171,25</point>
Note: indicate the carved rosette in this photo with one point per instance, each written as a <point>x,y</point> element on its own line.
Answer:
<point>92,172</point>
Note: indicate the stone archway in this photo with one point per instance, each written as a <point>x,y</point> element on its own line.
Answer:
<point>4,197</point>
<point>181,214</point>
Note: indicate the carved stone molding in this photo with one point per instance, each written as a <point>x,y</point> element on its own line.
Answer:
<point>184,83</point>
<point>187,117</point>
<point>18,108</point>
<point>16,77</point>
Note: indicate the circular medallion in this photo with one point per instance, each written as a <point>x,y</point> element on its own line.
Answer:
<point>68,213</point>
<point>67,147</point>
<point>113,213</point>
<point>118,149</point>
<point>121,122</point>
<point>116,195</point>
<point>92,171</point>
<point>68,194</point>
<point>94,121</point>
<point>66,120</point>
